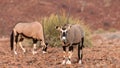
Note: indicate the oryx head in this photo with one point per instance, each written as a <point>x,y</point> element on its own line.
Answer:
<point>63,31</point>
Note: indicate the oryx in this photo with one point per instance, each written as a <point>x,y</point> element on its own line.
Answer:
<point>33,30</point>
<point>71,35</point>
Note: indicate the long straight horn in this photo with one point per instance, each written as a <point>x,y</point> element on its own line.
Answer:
<point>43,28</point>
<point>68,12</point>
<point>58,13</point>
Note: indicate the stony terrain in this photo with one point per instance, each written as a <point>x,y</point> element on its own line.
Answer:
<point>105,53</point>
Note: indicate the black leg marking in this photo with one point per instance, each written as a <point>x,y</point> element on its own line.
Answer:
<point>34,46</point>
<point>71,48</point>
<point>35,41</point>
<point>64,48</point>
<point>45,48</point>
<point>78,51</point>
<point>80,55</point>
<point>64,54</point>
<point>16,38</point>
<point>64,51</point>
<point>82,40</point>
<point>21,38</point>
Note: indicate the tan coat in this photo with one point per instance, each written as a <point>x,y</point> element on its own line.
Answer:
<point>34,30</point>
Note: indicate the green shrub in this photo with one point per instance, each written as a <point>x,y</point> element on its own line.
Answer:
<point>52,35</point>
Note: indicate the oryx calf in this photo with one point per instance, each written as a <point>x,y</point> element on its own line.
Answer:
<point>71,35</point>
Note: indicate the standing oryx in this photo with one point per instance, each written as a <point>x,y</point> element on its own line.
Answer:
<point>33,30</point>
<point>71,35</point>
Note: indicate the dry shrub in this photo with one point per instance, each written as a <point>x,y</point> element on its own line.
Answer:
<point>52,35</point>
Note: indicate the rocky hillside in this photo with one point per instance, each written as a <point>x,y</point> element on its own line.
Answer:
<point>97,13</point>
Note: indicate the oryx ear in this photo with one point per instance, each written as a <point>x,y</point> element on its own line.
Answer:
<point>69,26</point>
<point>57,27</point>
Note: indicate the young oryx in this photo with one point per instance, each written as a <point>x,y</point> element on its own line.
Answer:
<point>33,30</point>
<point>71,35</point>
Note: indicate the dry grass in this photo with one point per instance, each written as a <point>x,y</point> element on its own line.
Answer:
<point>53,36</point>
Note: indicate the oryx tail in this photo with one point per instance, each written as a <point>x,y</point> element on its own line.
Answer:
<point>12,40</point>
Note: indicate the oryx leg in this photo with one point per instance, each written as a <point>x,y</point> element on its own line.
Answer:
<point>64,54</point>
<point>34,46</point>
<point>15,43</point>
<point>70,52</point>
<point>80,55</point>
<point>21,39</point>
<point>44,46</point>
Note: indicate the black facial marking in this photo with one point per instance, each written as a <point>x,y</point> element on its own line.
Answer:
<point>64,34</point>
<point>63,28</point>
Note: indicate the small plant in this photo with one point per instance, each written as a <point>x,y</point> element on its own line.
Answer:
<point>100,30</point>
<point>112,30</point>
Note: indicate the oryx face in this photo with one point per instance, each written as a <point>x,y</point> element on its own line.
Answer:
<point>63,34</point>
<point>64,31</point>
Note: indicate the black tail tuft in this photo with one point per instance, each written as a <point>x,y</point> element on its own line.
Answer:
<point>12,40</point>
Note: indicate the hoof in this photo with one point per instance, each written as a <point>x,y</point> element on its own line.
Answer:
<point>80,62</point>
<point>68,62</point>
<point>15,52</point>
<point>34,52</point>
<point>44,52</point>
<point>24,51</point>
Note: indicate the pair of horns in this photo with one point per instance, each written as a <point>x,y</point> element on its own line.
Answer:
<point>68,15</point>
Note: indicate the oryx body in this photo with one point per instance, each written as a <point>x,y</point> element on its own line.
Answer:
<point>71,35</point>
<point>31,30</point>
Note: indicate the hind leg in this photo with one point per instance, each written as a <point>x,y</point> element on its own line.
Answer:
<point>80,54</point>
<point>15,48</point>
<point>34,46</point>
<point>15,43</point>
<point>20,43</point>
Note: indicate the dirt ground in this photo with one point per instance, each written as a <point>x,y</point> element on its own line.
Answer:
<point>105,53</point>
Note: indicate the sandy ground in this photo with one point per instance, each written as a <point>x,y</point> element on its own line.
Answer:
<point>103,54</point>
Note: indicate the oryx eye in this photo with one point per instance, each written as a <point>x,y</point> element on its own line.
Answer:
<point>60,31</point>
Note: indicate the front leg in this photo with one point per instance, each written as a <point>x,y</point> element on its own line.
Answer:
<point>15,43</point>
<point>64,54</point>
<point>44,48</point>
<point>80,54</point>
<point>70,52</point>
<point>34,46</point>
